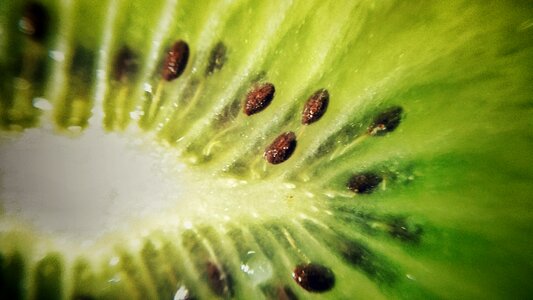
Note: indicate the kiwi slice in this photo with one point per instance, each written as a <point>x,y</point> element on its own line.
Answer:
<point>266,149</point>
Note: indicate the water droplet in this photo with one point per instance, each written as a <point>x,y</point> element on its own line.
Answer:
<point>257,267</point>
<point>57,55</point>
<point>114,261</point>
<point>42,104</point>
<point>147,87</point>
<point>182,293</point>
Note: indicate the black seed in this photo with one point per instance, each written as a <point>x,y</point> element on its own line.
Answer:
<point>315,107</point>
<point>281,148</point>
<point>364,183</point>
<point>34,21</point>
<point>125,64</point>
<point>386,121</point>
<point>314,277</point>
<point>401,230</point>
<point>176,61</point>
<point>219,281</point>
<point>259,98</point>
<point>216,59</point>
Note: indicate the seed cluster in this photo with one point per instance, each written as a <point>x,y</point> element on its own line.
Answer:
<point>312,277</point>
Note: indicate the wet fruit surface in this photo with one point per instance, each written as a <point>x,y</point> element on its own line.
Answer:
<point>120,182</point>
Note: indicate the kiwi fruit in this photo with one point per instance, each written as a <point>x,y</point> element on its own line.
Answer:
<point>266,149</point>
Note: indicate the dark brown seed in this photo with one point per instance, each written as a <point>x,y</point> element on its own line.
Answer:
<point>259,98</point>
<point>315,107</point>
<point>176,61</point>
<point>314,277</point>
<point>218,280</point>
<point>386,121</point>
<point>364,183</point>
<point>34,21</point>
<point>125,64</point>
<point>216,59</point>
<point>281,148</point>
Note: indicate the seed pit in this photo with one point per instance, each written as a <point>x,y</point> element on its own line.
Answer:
<point>364,183</point>
<point>315,107</point>
<point>175,61</point>
<point>386,121</point>
<point>125,64</point>
<point>314,277</point>
<point>281,148</point>
<point>216,59</point>
<point>230,112</point>
<point>34,21</point>
<point>399,229</point>
<point>219,281</point>
<point>259,98</point>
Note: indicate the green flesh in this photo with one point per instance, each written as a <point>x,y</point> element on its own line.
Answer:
<point>457,170</point>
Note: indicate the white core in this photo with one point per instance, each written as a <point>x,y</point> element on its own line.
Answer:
<point>83,186</point>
